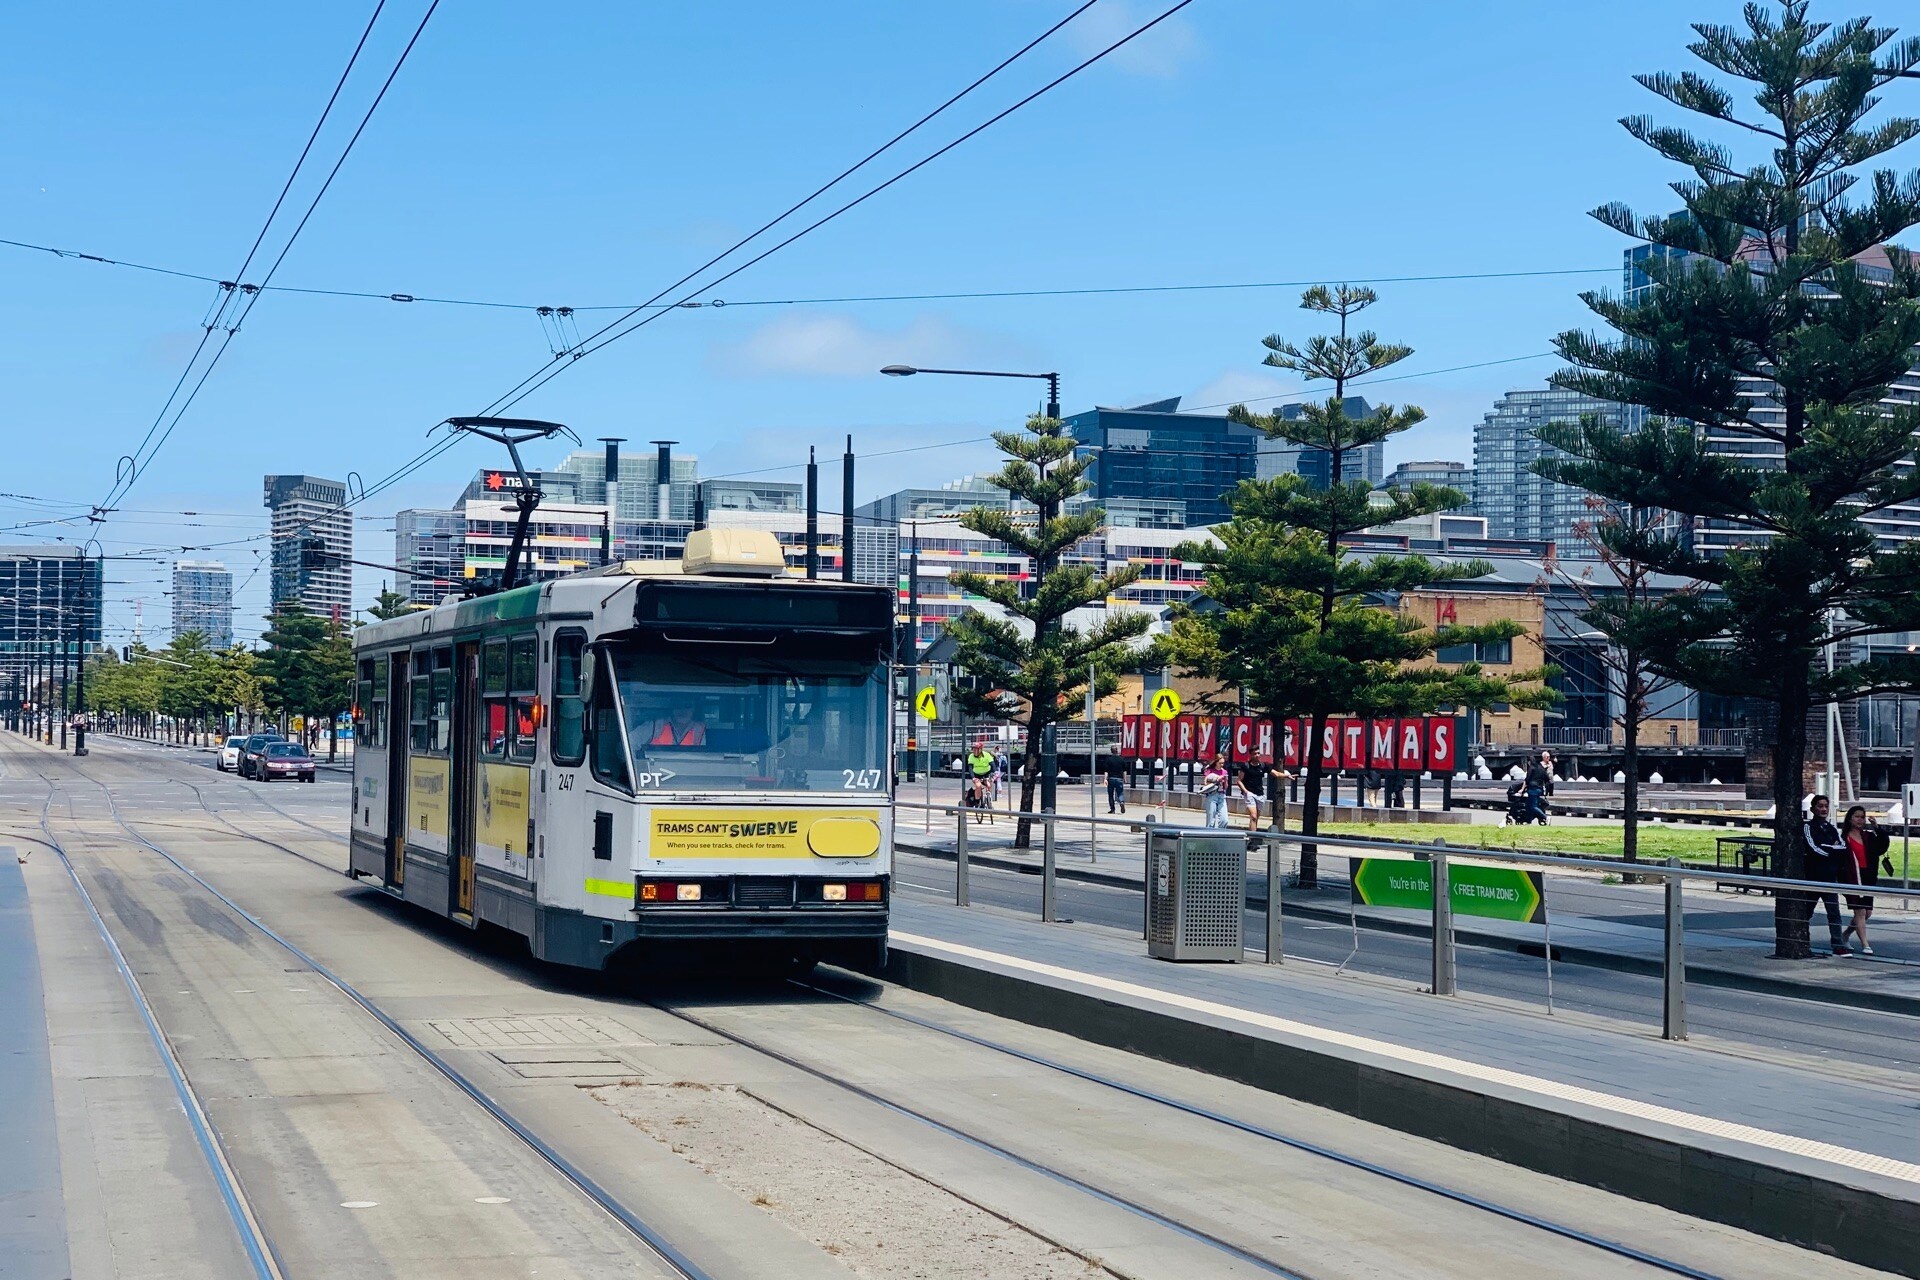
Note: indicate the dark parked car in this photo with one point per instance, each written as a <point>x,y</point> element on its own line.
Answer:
<point>285,760</point>
<point>252,750</point>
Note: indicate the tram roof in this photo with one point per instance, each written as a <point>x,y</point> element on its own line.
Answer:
<point>582,592</point>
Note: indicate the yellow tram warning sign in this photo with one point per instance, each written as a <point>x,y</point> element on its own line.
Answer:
<point>1165,704</point>
<point>928,703</point>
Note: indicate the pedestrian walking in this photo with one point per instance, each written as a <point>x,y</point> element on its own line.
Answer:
<point>1116,788</point>
<point>1828,858</point>
<point>1253,790</point>
<point>1868,844</point>
<point>1213,787</point>
<point>1539,780</point>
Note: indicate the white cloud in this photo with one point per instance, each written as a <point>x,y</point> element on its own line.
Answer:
<point>828,345</point>
<point>1241,386</point>
<point>1163,51</point>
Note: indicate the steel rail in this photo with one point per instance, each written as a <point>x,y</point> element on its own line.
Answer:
<point>1298,1144</point>
<point>579,1178</point>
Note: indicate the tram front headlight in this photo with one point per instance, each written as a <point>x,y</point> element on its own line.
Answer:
<point>833,892</point>
<point>686,892</point>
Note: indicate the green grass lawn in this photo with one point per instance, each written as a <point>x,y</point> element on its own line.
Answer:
<point>1690,844</point>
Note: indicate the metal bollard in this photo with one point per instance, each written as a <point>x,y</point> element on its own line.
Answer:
<point>1146,871</point>
<point>1443,978</point>
<point>961,895</point>
<point>1673,1021</point>
<point>1048,906</point>
<point>1274,955</point>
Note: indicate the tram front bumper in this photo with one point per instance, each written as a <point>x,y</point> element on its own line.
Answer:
<point>683,924</point>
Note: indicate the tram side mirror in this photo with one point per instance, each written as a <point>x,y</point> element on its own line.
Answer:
<point>588,662</point>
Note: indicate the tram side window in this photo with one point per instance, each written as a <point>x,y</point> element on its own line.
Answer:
<point>609,752</point>
<point>493,700</point>
<point>523,689</point>
<point>421,713</point>
<point>376,705</point>
<point>442,708</point>
<point>568,738</point>
<point>363,704</point>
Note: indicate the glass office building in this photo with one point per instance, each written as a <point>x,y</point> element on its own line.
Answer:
<point>1154,464</point>
<point>49,602</point>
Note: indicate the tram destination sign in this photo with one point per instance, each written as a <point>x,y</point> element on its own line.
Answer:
<point>1498,893</point>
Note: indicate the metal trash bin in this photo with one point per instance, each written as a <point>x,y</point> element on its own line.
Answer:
<point>1196,894</point>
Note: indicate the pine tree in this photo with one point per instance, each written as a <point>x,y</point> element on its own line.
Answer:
<point>1040,667</point>
<point>390,604</point>
<point>1297,620</point>
<point>1764,355</point>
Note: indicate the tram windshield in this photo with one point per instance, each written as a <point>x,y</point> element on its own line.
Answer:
<point>731,721</point>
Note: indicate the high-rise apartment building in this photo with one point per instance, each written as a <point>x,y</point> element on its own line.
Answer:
<point>312,540</point>
<point>203,601</point>
<point>429,550</point>
<point>1516,502</point>
<point>1452,475</point>
<point>1892,526</point>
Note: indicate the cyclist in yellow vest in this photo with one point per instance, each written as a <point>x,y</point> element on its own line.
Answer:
<point>980,767</point>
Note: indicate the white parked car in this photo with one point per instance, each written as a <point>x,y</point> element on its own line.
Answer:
<point>229,758</point>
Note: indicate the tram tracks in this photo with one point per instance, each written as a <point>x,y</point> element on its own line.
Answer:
<point>975,1140</point>
<point>257,1245</point>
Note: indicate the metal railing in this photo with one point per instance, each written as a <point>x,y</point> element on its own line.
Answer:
<point>1672,874</point>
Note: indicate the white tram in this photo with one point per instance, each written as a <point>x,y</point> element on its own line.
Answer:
<point>654,754</point>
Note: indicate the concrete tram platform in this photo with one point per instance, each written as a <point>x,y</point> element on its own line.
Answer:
<point>1612,926</point>
<point>1773,1144</point>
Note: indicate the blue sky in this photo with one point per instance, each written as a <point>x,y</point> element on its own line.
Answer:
<point>590,154</point>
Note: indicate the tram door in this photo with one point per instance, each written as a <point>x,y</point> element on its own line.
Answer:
<point>397,728</point>
<point>466,735</point>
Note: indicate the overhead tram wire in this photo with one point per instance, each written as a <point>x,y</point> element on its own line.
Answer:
<point>718,304</point>
<point>252,293</point>
<point>443,445</point>
<point>581,349</point>
<point>595,343</point>
<point>225,298</point>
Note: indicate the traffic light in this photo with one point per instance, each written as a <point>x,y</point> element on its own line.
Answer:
<point>313,554</point>
<point>126,653</point>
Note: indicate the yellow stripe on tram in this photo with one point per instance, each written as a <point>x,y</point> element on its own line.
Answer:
<point>611,888</point>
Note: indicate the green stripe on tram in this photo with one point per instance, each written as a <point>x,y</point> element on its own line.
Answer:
<point>521,602</point>
<point>611,888</point>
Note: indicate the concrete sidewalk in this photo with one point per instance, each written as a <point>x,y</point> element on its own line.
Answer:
<point>1776,1144</point>
<point>1729,936</point>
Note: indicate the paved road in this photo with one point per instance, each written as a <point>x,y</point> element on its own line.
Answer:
<point>717,1111</point>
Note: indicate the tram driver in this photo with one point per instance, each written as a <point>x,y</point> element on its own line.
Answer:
<point>680,727</point>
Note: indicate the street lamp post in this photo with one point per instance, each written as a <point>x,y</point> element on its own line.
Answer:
<point>1049,740</point>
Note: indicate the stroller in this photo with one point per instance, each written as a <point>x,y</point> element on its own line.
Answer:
<point>1519,810</point>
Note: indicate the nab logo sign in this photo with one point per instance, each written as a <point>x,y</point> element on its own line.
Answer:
<point>1165,704</point>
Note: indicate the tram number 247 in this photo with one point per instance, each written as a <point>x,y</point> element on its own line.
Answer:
<point>860,779</point>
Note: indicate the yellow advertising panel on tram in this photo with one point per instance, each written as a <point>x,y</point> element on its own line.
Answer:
<point>763,833</point>
<point>428,784</point>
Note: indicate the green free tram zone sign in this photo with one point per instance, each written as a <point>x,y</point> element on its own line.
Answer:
<point>1502,893</point>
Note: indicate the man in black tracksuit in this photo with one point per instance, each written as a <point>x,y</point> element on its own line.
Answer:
<point>1825,848</point>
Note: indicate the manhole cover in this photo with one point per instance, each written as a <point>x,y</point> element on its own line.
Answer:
<point>549,1030</point>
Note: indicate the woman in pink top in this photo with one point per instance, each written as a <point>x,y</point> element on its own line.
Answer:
<point>1213,786</point>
